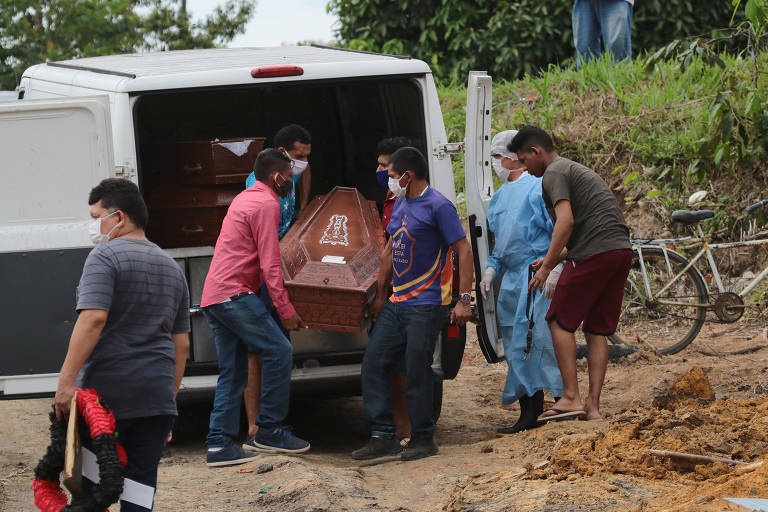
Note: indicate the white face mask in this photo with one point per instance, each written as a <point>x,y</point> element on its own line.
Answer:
<point>299,166</point>
<point>94,230</point>
<point>396,189</point>
<point>500,169</point>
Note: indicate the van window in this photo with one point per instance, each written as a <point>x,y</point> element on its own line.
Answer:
<point>346,120</point>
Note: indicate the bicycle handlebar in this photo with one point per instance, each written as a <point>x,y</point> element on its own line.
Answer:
<point>753,207</point>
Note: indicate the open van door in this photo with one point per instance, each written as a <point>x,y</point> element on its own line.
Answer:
<point>53,152</point>
<point>478,190</point>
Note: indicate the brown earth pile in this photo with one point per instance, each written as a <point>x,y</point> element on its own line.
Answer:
<point>730,429</point>
<point>612,461</point>
<point>684,419</point>
<point>748,481</point>
<point>693,383</point>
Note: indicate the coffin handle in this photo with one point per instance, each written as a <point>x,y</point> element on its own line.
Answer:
<point>193,168</point>
<point>194,230</point>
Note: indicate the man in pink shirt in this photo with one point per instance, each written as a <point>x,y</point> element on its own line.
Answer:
<point>247,254</point>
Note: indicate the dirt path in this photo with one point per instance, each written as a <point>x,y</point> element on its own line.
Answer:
<point>474,470</point>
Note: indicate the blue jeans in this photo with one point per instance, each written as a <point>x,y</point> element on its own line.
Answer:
<point>402,330</point>
<point>241,326</point>
<point>602,25</point>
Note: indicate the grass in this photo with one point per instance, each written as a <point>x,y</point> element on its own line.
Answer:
<point>644,133</point>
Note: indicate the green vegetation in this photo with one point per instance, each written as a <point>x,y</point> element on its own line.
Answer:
<point>655,137</point>
<point>508,39</point>
<point>33,31</point>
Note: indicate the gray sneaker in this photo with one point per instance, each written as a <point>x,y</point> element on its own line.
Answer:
<point>378,447</point>
<point>418,448</point>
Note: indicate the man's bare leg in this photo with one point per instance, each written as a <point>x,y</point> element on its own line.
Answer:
<point>564,343</point>
<point>252,392</point>
<point>597,363</point>
<point>400,406</point>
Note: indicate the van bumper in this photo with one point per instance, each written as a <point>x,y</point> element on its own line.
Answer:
<point>327,381</point>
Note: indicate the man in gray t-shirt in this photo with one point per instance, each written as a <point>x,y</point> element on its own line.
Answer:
<point>598,224</point>
<point>591,235</point>
<point>131,337</point>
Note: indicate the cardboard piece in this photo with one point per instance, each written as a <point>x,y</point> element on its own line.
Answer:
<point>73,463</point>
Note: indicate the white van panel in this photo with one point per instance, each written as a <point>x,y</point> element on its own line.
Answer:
<point>54,151</point>
<point>442,172</point>
<point>478,183</point>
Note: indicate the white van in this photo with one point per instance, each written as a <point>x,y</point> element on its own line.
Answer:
<point>77,122</point>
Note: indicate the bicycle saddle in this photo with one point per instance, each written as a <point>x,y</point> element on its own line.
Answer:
<point>689,217</point>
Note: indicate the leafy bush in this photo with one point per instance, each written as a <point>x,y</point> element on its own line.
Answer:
<point>508,39</point>
<point>654,137</point>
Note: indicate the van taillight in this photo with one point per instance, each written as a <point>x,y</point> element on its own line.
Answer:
<point>272,71</point>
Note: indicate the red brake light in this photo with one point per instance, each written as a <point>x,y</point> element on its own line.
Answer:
<point>272,71</point>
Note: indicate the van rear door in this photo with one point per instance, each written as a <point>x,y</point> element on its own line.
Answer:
<point>53,152</point>
<point>478,190</point>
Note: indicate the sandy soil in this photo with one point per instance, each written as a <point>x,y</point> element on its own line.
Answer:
<point>568,466</point>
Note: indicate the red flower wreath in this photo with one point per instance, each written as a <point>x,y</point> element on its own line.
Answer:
<point>111,457</point>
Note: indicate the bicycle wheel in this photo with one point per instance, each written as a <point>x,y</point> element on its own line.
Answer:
<point>664,322</point>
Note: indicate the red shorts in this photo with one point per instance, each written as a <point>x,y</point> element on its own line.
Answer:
<point>591,291</point>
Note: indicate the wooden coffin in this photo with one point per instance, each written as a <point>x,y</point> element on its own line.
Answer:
<point>203,162</point>
<point>188,216</point>
<point>331,257</point>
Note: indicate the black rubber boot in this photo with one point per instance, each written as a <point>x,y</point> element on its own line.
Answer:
<point>378,447</point>
<point>530,409</point>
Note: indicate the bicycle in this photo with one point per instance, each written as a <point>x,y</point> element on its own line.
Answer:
<point>666,297</point>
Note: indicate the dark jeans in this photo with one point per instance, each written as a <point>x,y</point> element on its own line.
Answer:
<point>402,330</point>
<point>241,326</point>
<point>143,440</point>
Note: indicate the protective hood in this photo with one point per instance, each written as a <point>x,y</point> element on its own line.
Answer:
<point>500,142</point>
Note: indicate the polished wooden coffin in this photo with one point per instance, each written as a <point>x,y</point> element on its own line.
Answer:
<point>188,216</point>
<point>331,257</point>
<point>203,162</point>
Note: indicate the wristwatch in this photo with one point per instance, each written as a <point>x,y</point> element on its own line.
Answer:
<point>466,298</point>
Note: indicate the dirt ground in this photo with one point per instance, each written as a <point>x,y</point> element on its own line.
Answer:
<point>721,409</point>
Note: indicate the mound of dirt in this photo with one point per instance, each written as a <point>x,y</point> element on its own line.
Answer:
<point>296,485</point>
<point>730,429</point>
<point>748,481</point>
<point>693,383</point>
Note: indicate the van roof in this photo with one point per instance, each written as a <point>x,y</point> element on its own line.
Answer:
<point>220,66</point>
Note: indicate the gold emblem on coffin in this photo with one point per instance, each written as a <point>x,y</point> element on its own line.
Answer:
<point>331,258</point>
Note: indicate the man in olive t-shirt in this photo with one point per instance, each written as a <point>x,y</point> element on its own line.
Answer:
<point>591,235</point>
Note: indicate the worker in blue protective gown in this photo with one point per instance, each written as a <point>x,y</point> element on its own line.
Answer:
<point>523,230</point>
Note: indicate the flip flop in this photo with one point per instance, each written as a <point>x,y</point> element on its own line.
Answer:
<point>596,420</point>
<point>559,415</point>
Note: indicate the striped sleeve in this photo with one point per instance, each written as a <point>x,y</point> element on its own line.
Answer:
<point>97,284</point>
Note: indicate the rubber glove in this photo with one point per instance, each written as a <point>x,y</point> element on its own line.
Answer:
<point>487,282</point>
<point>551,284</point>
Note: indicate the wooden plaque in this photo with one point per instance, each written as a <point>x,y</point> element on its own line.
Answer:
<point>331,257</point>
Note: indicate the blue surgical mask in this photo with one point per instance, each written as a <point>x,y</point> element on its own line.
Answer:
<point>382,177</point>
